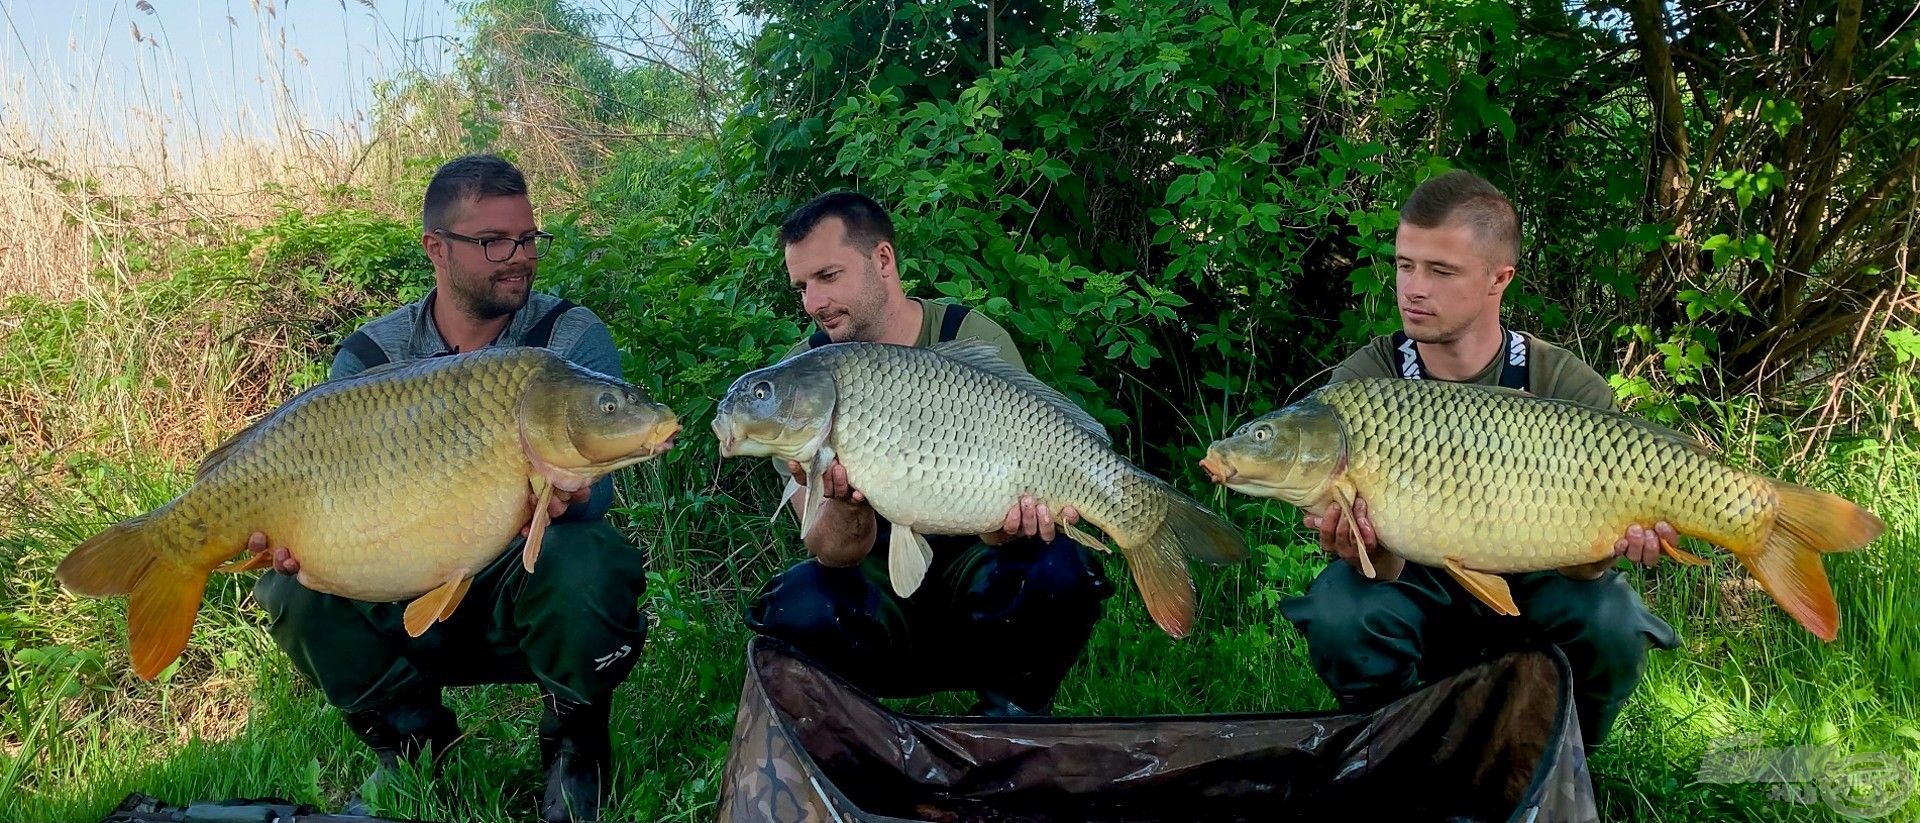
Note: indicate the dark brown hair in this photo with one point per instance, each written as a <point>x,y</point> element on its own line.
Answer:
<point>867,223</point>
<point>467,178</point>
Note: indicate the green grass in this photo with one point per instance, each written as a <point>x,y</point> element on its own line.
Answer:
<point>232,719</point>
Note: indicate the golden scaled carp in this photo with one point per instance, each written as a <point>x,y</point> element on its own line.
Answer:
<point>945,439</point>
<point>1483,481</point>
<point>397,483</point>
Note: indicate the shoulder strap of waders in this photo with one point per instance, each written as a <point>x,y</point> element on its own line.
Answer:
<point>1513,368</point>
<point>950,321</point>
<point>542,332</point>
<point>364,349</point>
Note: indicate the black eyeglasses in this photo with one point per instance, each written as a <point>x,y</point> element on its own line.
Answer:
<point>501,249</point>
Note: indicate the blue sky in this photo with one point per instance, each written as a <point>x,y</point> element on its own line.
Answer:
<point>219,64</point>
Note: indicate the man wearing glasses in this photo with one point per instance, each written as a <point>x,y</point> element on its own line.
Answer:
<point>574,625</point>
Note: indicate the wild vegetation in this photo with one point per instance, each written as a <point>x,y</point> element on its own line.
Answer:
<point>1182,210</point>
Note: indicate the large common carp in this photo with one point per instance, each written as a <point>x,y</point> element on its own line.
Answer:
<point>1484,481</point>
<point>397,483</point>
<point>945,439</point>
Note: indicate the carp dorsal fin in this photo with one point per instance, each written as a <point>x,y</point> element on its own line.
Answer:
<point>1648,426</point>
<point>1661,432</point>
<point>220,453</point>
<point>986,357</point>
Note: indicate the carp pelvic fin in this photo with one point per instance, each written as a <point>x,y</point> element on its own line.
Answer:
<point>1490,588</point>
<point>816,490</point>
<point>786,496</point>
<point>436,605</point>
<point>1343,497</point>
<point>908,556</point>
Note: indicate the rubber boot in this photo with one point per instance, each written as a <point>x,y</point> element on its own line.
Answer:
<point>400,730</point>
<point>995,704</point>
<point>576,751</point>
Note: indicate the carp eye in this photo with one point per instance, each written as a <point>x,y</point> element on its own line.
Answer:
<point>763,390</point>
<point>609,403</point>
<point>1262,433</point>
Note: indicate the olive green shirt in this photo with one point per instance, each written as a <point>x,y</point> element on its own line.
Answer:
<point>1552,372</point>
<point>975,324</point>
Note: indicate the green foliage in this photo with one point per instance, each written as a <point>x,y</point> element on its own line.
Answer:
<point>1183,211</point>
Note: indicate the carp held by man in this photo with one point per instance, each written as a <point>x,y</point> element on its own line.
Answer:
<point>1483,481</point>
<point>398,483</point>
<point>944,439</point>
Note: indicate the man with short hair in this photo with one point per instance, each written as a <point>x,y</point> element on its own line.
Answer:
<point>1373,640</point>
<point>573,626</point>
<point>1004,614</point>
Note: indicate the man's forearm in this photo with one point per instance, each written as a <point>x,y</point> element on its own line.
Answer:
<point>844,528</point>
<point>594,507</point>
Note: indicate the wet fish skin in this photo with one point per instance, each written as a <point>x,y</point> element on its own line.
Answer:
<point>399,482</point>
<point>945,439</point>
<point>1485,481</point>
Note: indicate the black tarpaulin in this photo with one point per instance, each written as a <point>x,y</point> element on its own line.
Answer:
<point>1496,742</point>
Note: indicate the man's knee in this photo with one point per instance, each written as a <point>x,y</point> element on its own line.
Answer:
<point>1600,621</point>
<point>809,602</point>
<point>337,644</point>
<point>838,617</point>
<point>282,596</point>
<point>295,613</point>
<point>1342,607</point>
<point>1362,635</point>
<point>587,557</point>
<point>1606,631</point>
<point>1060,579</point>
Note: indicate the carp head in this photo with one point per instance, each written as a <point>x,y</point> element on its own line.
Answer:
<point>579,425</point>
<point>1293,454</point>
<point>784,410</point>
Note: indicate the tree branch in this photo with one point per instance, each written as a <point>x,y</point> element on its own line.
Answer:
<point>1668,184</point>
<point>1669,150</point>
<point>1858,211</point>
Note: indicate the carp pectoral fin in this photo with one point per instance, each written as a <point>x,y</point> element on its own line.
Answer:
<point>810,506</point>
<point>1085,539</point>
<point>908,557</point>
<point>538,529</point>
<point>786,497</point>
<point>1490,588</point>
<point>1343,497</point>
<point>1681,555</point>
<point>263,560</point>
<point>816,490</point>
<point>437,604</point>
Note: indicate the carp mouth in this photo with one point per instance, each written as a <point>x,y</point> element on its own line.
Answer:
<point>1222,472</point>
<point>723,431</point>
<point>671,433</point>
<point>662,446</point>
<point>1217,470</point>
